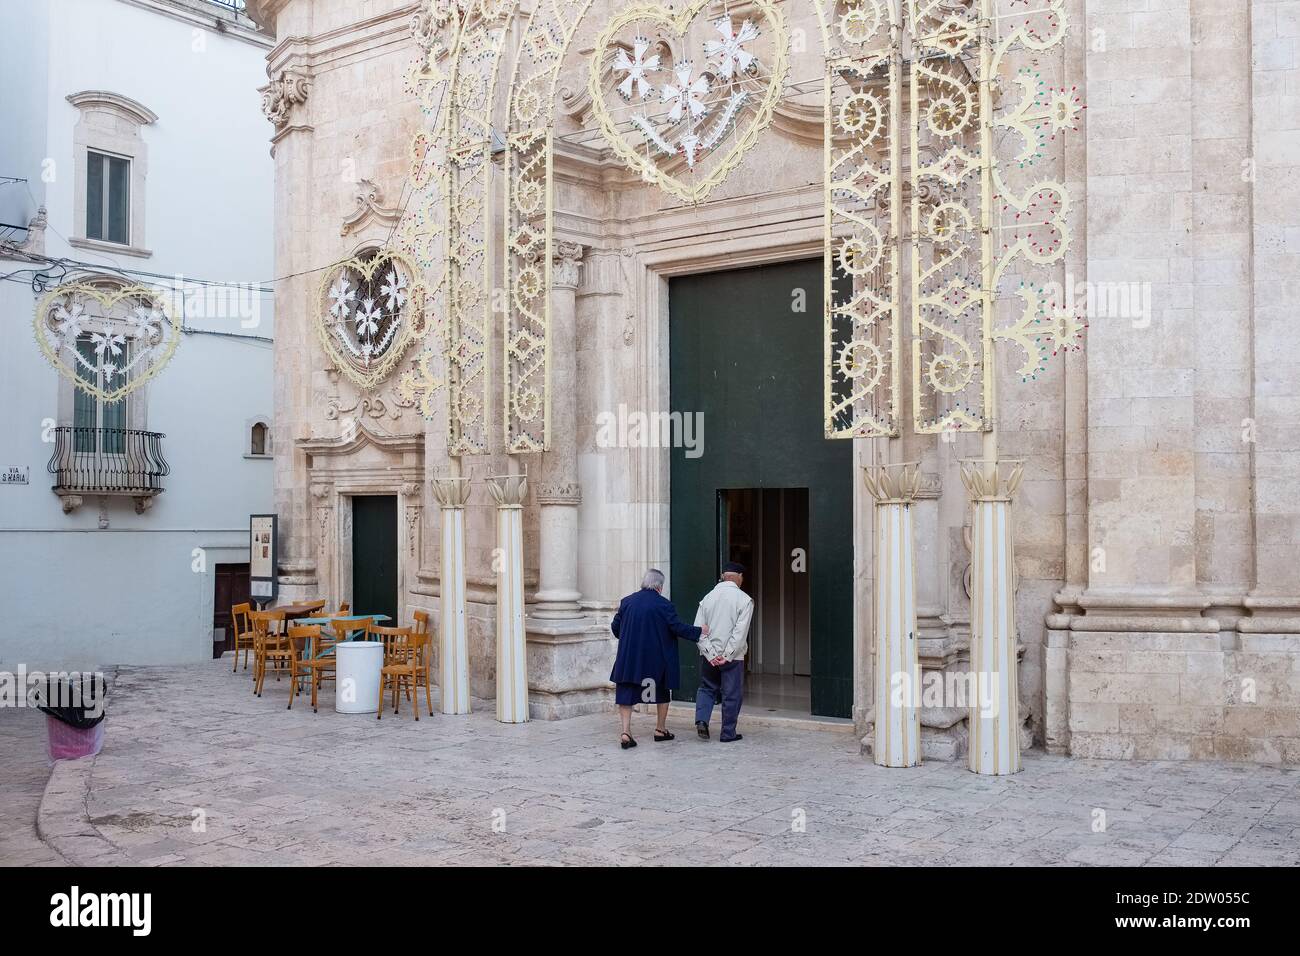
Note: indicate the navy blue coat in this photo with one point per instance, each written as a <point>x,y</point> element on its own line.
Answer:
<point>647,628</point>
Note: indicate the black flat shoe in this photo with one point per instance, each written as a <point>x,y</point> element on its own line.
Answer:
<point>664,735</point>
<point>727,740</point>
<point>702,729</point>
<point>627,744</point>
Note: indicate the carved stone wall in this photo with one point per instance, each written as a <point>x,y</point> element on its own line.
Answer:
<point>1155,546</point>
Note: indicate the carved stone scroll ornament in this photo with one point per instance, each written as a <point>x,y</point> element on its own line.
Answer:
<point>323,494</point>
<point>282,94</point>
<point>413,492</point>
<point>369,208</point>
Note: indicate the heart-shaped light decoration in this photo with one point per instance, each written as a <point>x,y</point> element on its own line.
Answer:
<point>706,113</point>
<point>107,339</point>
<point>372,309</point>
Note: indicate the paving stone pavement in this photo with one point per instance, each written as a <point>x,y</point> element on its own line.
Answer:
<point>277,787</point>
<point>24,768</point>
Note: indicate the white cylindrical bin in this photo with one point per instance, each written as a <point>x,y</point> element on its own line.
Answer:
<point>358,664</point>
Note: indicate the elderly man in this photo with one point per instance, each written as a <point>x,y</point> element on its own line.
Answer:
<point>646,668</point>
<point>725,614</point>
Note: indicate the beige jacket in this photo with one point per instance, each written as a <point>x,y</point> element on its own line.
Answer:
<point>727,611</point>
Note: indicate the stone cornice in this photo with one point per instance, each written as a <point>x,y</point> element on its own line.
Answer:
<point>365,36</point>
<point>331,447</point>
<point>217,19</point>
<point>799,122</point>
<point>264,12</point>
<point>1154,611</point>
<point>479,588</point>
<point>115,103</point>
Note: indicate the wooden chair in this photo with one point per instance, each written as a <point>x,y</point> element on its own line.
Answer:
<point>401,665</point>
<point>270,646</point>
<point>344,608</point>
<point>421,630</point>
<point>243,633</point>
<point>421,625</point>
<point>305,663</point>
<point>358,630</point>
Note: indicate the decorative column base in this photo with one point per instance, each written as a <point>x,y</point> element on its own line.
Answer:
<point>452,494</point>
<point>995,711</point>
<point>568,668</point>
<point>897,666</point>
<point>512,647</point>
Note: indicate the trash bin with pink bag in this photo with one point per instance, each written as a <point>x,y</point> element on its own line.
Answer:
<point>74,715</point>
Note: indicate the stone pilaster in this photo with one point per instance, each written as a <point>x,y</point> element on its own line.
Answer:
<point>1274,427</point>
<point>322,494</point>
<point>558,493</point>
<point>569,654</point>
<point>284,104</point>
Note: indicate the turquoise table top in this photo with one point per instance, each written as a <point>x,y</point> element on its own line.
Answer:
<point>328,621</point>
<point>323,621</point>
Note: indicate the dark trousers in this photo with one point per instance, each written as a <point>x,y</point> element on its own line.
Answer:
<point>726,682</point>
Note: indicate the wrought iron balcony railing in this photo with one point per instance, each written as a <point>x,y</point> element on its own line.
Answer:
<point>107,461</point>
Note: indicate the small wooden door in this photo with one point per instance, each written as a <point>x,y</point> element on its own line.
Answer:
<point>230,587</point>
<point>374,555</point>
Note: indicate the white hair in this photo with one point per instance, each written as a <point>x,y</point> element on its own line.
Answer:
<point>653,579</point>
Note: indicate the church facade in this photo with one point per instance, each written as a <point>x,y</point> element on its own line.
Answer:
<point>694,404</point>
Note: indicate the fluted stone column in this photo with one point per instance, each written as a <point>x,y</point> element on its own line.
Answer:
<point>558,493</point>
<point>452,494</point>
<point>995,710</point>
<point>897,665</point>
<point>509,492</point>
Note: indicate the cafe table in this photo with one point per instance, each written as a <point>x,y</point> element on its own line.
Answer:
<point>356,664</point>
<point>333,622</point>
<point>296,611</point>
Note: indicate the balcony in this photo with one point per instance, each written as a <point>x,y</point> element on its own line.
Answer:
<point>124,462</point>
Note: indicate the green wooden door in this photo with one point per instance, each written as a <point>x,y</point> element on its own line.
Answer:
<point>745,351</point>
<point>374,555</point>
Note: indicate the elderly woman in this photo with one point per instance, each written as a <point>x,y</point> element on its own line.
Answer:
<point>646,669</point>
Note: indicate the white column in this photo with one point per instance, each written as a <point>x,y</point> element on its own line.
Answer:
<point>995,710</point>
<point>558,493</point>
<point>452,494</point>
<point>512,648</point>
<point>897,667</point>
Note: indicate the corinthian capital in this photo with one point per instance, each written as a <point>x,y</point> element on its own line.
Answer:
<point>567,269</point>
